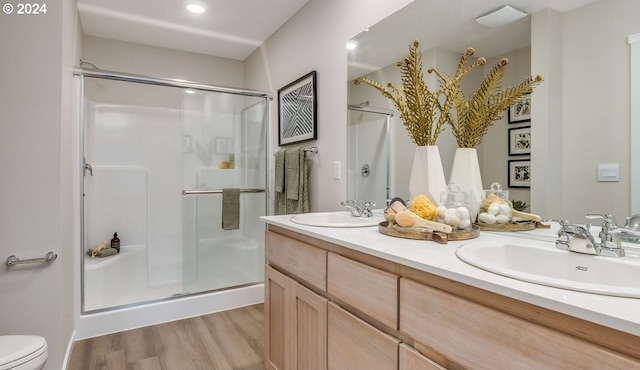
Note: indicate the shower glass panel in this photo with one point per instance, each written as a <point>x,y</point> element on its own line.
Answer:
<point>368,155</point>
<point>148,146</point>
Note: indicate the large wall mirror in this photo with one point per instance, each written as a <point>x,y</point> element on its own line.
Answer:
<point>580,114</point>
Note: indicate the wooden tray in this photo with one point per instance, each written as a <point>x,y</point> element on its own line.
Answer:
<point>519,226</point>
<point>419,233</point>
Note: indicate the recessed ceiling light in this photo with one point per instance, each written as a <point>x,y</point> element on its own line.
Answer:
<point>351,45</point>
<point>189,91</point>
<point>195,8</point>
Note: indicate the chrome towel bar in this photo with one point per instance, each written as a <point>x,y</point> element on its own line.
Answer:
<point>14,260</point>
<point>219,191</point>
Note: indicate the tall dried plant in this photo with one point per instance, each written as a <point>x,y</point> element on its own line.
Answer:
<point>471,118</point>
<point>419,107</point>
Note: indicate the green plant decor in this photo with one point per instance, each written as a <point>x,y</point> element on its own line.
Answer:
<point>519,205</point>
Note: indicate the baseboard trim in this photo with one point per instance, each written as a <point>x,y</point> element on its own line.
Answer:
<point>67,354</point>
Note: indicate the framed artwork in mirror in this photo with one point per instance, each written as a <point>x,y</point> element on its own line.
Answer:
<point>297,110</point>
<point>521,110</point>
<point>520,140</point>
<point>519,173</point>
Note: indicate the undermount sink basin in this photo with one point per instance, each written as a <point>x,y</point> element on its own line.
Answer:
<point>335,219</point>
<point>547,265</point>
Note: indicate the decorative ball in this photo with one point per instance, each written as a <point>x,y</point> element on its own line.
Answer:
<point>464,223</point>
<point>502,219</point>
<point>494,208</point>
<point>442,211</point>
<point>451,220</point>
<point>504,209</point>
<point>462,212</point>
<point>489,218</point>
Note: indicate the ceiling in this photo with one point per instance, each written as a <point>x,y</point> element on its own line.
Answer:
<point>449,24</point>
<point>235,28</point>
<point>229,28</point>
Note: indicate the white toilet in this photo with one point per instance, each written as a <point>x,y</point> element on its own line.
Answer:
<point>22,352</point>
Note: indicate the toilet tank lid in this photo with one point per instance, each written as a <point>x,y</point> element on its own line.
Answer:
<point>14,347</point>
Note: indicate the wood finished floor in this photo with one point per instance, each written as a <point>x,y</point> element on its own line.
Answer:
<point>224,340</point>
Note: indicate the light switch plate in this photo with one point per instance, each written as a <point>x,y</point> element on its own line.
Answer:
<point>609,172</point>
<point>336,170</point>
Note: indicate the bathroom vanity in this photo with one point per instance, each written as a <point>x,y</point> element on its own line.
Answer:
<point>353,298</point>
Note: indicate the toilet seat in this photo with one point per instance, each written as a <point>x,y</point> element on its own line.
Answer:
<point>17,350</point>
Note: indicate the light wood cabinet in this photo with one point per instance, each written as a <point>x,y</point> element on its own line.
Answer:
<point>328,306</point>
<point>468,335</point>
<point>410,359</point>
<point>295,324</point>
<point>276,316</point>
<point>354,344</point>
<point>369,290</point>
<point>301,260</point>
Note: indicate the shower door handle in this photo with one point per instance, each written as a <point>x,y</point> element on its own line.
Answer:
<point>87,167</point>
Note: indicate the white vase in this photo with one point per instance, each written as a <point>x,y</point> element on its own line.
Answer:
<point>427,175</point>
<point>465,173</point>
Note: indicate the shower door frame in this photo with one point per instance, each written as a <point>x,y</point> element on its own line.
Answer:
<point>166,82</point>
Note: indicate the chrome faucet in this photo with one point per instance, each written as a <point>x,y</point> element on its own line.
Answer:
<point>577,238</point>
<point>358,208</point>
<point>630,232</point>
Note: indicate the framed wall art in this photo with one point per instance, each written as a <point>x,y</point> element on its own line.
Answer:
<point>521,110</point>
<point>297,111</point>
<point>520,140</point>
<point>519,173</point>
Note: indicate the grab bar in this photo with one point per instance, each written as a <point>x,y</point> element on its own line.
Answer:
<point>14,260</point>
<point>219,191</point>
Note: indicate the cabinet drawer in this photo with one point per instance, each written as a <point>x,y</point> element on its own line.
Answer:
<point>372,291</point>
<point>354,344</point>
<point>301,260</point>
<point>410,359</point>
<point>469,335</point>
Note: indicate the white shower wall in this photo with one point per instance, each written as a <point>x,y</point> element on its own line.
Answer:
<point>136,185</point>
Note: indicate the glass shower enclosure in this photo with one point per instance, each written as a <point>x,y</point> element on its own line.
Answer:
<point>369,154</point>
<point>157,157</point>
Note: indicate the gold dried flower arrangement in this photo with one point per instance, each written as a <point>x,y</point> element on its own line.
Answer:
<point>424,114</point>
<point>419,107</point>
<point>471,118</point>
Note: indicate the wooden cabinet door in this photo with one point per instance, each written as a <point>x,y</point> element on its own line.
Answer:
<point>410,359</point>
<point>307,329</point>
<point>295,325</point>
<point>353,344</point>
<point>275,318</point>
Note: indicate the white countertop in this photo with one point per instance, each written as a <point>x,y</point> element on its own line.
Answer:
<point>616,312</point>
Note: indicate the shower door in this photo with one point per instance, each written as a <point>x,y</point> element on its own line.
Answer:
<point>146,148</point>
<point>368,154</point>
<point>224,147</point>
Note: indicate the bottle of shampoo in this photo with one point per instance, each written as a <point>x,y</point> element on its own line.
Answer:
<point>115,242</point>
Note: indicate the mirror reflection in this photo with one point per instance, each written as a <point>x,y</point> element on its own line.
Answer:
<point>580,114</point>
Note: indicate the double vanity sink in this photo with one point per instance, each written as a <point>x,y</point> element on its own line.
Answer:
<point>525,266</point>
<point>540,263</point>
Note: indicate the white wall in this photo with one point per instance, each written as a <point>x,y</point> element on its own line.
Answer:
<point>122,56</point>
<point>314,39</point>
<point>36,195</point>
<point>594,120</point>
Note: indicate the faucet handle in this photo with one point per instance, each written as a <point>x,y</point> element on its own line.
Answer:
<point>608,223</point>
